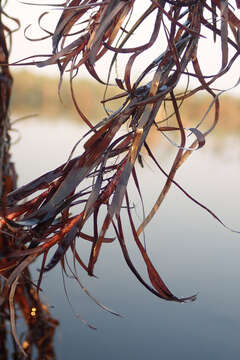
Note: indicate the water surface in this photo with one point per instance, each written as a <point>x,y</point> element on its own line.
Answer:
<point>193,253</point>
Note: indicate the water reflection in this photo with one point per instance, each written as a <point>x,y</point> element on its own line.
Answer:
<point>189,248</point>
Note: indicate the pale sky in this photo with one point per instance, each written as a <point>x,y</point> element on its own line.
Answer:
<point>28,14</point>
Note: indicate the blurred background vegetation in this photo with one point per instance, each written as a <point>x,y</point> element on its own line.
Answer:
<point>37,94</point>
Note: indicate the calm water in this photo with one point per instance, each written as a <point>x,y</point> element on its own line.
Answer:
<point>192,252</point>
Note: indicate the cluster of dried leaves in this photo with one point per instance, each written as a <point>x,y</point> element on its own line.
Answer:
<point>39,215</point>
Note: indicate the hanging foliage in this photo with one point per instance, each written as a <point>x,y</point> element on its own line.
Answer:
<point>38,215</point>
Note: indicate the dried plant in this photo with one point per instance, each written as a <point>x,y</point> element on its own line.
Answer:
<point>96,181</point>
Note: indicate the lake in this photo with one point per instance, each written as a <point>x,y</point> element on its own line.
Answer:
<point>191,250</point>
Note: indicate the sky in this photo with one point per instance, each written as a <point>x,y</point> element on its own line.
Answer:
<point>28,15</point>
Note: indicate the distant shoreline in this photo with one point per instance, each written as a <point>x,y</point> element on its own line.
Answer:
<point>38,94</point>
